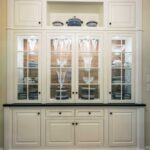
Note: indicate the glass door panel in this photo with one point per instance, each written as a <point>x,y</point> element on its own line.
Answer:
<point>60,68</point>
<point>89,69</point>
<point>121,72</point>
<point>27,68</point>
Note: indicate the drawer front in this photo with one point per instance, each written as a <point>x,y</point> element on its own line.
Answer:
<point>59,113</point>
<point>89,112</point>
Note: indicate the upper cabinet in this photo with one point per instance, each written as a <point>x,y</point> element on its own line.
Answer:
<point>74,67</point>
<point>121,14</point>
<point>28,13</point>
<point>98,14</point>
<point>27,68</point>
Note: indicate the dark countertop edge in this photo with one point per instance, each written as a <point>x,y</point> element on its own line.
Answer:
<point>73,104</point>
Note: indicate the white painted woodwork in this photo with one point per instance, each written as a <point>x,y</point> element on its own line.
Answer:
<point>59,132</point>
<point>26,127</point>
<point>122,14</point>
<point>89,113</point>
<point>28,13</point>
<point>89,132</point>
<point>59,112</point>
<point>122,127</point>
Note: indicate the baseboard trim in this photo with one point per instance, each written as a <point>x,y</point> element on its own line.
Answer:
<point>147,148</point>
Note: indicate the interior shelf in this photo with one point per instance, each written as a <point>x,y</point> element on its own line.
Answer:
<point>64,10</point>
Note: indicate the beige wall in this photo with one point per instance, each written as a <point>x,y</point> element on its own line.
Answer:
<point>2,64</point>
<point>146,63</point>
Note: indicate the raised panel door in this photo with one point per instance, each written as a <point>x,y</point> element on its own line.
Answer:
<point>122,14</point>
<point>27,13</point>
<point>59,133</point>
<point>89,132</point>
<point>26,127</point>
<point>122,127</point>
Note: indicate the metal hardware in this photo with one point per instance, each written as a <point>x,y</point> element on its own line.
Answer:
<point>110,113</point>
<point>72,92</point>
<point>60,113</point>
<point>76,92</point>
<point>38,113</point>
<point>39,92</point>
<point>39,22</point>
<point>109,92</point>
<point>110,23</point>
<point>73,123</point>
<point>76,123</point>
<point>89,113</point>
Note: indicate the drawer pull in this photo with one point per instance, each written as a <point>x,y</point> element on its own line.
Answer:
<point>89,113</point>
<point>60,113</point>
<point>38,113</point>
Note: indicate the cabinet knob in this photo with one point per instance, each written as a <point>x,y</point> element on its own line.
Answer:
<point>89,113</point>
<point>60,113</point>
<point>76,123</point>
<point>109,92</point>
<point>110,23</point>
<point>73,123</point>
<point>110,113</point>
<point>72,92</point>
<point>38,113</point>
<point>39,22</point>
<point>76,92</point>
<point>39,92</point>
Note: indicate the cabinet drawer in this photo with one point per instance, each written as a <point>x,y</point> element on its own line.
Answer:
<point>89,112</point>
<point>59,113</point>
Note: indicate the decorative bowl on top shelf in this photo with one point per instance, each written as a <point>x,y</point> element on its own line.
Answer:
<point>74,22</point>
<point>58,23</point>
<point>91,23</point>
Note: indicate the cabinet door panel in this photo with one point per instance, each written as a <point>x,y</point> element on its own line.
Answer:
<point>122,127</point>
<point>26,128</point>
<point>28,13</point>
<point>122,14</point>
<point>28,72</point>
<point>89,132</point>
<point>59,133</point>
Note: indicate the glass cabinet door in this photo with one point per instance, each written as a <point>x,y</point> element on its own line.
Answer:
<point>121,68</point>
<point>89,61</point>
<point>27,68</point>
<point>60,68</point>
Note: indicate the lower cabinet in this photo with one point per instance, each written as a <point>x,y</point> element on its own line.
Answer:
<point>122,127</point>
<point>48,128</point>
<point>26,127</point>
<point>59,132</point>
<point>89,132</point>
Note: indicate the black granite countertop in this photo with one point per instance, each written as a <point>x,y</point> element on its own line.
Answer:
<point>73,104</point>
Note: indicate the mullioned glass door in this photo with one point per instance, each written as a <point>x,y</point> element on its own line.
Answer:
<point>89,68</point>
<point>27,68</point>
<point>121,69</point>
<point>60,68</point>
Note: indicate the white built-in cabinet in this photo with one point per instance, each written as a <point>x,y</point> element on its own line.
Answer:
<point>75,66</point>
<point>122,14</point>
<point>85,127</point>
<point>122,127</point>
<point>28,13</point>
<point>26,126</point>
